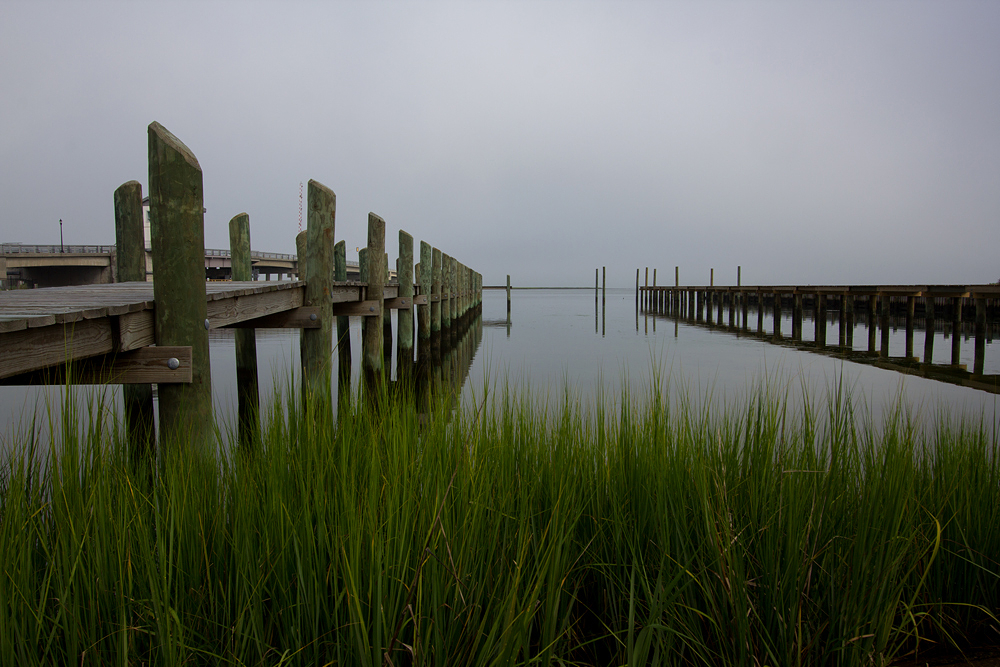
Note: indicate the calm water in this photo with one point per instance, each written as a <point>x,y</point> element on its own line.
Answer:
<point>559,339</point>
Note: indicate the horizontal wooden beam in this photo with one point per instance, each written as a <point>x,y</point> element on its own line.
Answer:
<point>399,302</point>
<point>306,317</point>
<point>145,365</point>
<point>356,308</point>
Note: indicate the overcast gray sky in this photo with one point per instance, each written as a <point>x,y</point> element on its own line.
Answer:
<point>808,142</point>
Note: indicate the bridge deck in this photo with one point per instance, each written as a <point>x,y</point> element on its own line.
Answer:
<point>41,328</point>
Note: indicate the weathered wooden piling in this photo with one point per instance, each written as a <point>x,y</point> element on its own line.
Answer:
<point>956,330</point>
<point>911,307</point>
<point>849,301</point>
<point>636,287</point>
<point>343,321</point>
<point>386,321</point>
<point>424,308</point>
<point>436,294</point>
<point>248,396</point>
<point>797,316</point>
<point>177,221</point>
<point>884,324</point>
<point>301,248</point>
<point>508,297</point>
<point>604,282</point>
<point>820,314</point>
<point>317,344</point>
<point>446,290</point>
<point>777,315</point>
<point>928,329</point>
<point>131,267</point>
<point>872,328</point>
<point>404,315</point>
<point>842,321</point>
<point>371,327</point>
<point>980,332</point>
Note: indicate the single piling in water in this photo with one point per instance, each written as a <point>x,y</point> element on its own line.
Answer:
<point>371,327</point>
<point>177,230</point>
<point>404,315</point>
<point>343,321</point>
<point>317,344</point>
<point>842,322</point>
<point>849,301</point>
<point>820,333</point>
<point>247,391</point>
<point>130,266</point>
<point>508,296</point>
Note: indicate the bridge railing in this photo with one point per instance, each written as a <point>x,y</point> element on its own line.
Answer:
<point>26,249</point>
<point>20,248</point>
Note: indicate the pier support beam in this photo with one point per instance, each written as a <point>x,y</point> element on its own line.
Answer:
<point>404,315</point>
<point>911,306</point>
<point>980,352</point>
<point>177,230</point>
<point>929,325</point>
<point>317,344</point>
<point>247,389</point>
<point>131,267</point>
<point>371,327</point>
<point>956,330</point>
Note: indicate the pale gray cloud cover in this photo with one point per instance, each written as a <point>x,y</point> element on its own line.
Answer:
<point>810,143</point>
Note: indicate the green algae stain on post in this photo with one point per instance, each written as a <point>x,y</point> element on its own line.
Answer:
<point>371,329</point>
<point>404,316</point>
<point>424,311</point>
<point>301,249</point>
<point>131,267</point>
<point>177,218</point>
<point>317,344</point>
<point>248,396</point>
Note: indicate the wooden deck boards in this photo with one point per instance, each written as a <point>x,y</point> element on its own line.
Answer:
<point>41,328</point>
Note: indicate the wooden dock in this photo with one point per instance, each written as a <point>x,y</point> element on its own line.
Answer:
<point>46,328</point>
<point>138,333</point>
<point>880,307</point>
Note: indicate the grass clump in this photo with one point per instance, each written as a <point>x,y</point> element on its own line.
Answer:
<point>640,532</point>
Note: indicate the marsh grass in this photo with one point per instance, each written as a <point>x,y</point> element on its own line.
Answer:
<point>649,529</point>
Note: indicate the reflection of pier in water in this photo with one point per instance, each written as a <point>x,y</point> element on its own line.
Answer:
<point>882,311</point>
<point>445,360</point>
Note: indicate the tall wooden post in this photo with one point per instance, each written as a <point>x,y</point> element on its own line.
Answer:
<point>317,344</point>
<point>404,315</point>
<point>247,391</point>
<point>436,293</point>
<point>177,230</point>
<point>636,288</point>
<point>301,249</point>
<point>131,267</point>
<point>872,327</point>
<point>604,282</point>
<point>446,289</point>
<point>820,335</point>
<point>760,312</point>
<point>343,322</point>
<point>371,327</point>
<point>645,293</point>
<point>508,297</point>
<point>424,309</point>
<point>386,320</point>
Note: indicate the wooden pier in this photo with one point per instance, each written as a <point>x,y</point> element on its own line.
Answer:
<point>881,308</point>
<point>138,333</point>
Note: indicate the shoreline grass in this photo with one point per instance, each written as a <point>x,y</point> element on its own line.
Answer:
<point>646,531</point>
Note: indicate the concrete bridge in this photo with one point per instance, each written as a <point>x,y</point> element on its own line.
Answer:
<point>23,265</point>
